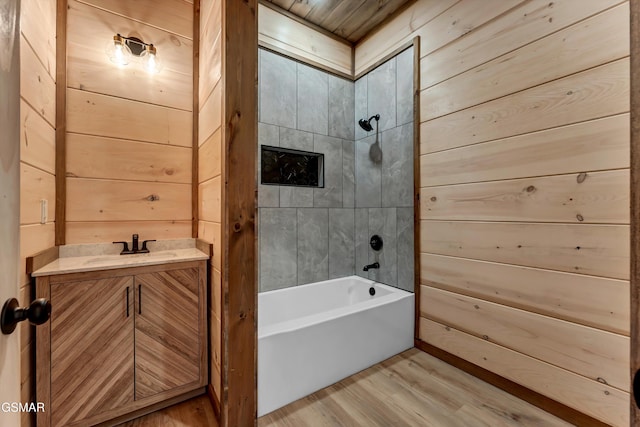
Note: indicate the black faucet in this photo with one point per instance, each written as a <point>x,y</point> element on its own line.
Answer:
<point>374,265</point>
<point>134,246</point>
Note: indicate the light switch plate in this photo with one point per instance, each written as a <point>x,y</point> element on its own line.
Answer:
<point>44,205</point>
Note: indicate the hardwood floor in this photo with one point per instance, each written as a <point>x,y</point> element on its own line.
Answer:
<point>196,412</point>
<point>411,389</point>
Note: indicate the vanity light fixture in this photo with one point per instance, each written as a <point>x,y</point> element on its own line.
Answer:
<point>122,49</point>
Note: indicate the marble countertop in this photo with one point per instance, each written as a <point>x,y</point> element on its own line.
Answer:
<point>81,258</point>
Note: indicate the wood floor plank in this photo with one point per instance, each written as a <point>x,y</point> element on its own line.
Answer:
<point>412,388</point>
<point>192,413</point>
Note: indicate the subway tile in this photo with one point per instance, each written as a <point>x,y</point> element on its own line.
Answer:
<point>331,195</point>
<point>313,100</point>
<point>404,87</point>
<point>278,248</point>
<point>382,94</point>
<point>368,175</point>
<point>278,90</point>
<point>341,242</point>
<point>405,243</point>
<point>397,166</point>
<point>341,108</point>
<point>313,245</point>
<point>348,173</point>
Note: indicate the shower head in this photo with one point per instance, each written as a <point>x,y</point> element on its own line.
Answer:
<point>366,124</point>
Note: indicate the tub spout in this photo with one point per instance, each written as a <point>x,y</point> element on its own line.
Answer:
<point>374,265</point>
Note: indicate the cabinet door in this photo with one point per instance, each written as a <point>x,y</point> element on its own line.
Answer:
<point>167,331</point>
<point>91,348</point>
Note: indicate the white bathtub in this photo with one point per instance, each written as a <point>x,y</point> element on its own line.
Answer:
<point>312,336</point>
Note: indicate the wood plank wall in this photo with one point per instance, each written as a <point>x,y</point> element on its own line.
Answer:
<point>210,169</point>
<point>524,175</point>
<point>37,158</point>
<point>283,34</point>
<point>129,133</point>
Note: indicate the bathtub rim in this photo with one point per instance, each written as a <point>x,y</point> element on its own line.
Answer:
<point>395,294</point>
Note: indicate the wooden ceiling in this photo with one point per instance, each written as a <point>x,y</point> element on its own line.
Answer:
<point>347,19</point>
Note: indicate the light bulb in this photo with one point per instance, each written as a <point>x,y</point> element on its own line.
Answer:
<point>150,60</point>
<point>117,51</point>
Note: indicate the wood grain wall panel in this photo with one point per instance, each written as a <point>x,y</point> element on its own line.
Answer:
<point>36,185</point>
<point>91,232</point>
<point>100,115</point>
<point>530,21</point>
<point>591,94</point>
<point>33,239</point>
<point>210,158</point>
<point>603,302</point>
<point>212,232</point>
<point>173,16</point>
<point>108,158</point>
<point>37,87</point>
<point>210,63</point>
<point>397,32</point>
<point>594,145</point>
<point>520,106</point>
<point>598,355</point>
<point>38,27</point>
<point>90,29</point>
<point>210,116</point>
<point>37,139</point>
<point>594,197</point>
<point>210,199</point>
<point>597,250</point>
<point>457,21</point>
<point>104,200</point>
<point>598,400</point>
<point>284,34</point>
<point>587,44</point>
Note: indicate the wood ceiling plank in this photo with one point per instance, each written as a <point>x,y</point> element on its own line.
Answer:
<point>285,4</point>
<point>364,20</point>
<point>341,13</point>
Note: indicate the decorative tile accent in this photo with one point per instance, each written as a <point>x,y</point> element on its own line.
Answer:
<point>295,196</point>
<point>313,245</point>
<point>278,248</point>
<point>397,166</point>
<point>313,100</point>
<point>341,108</point>
<point>331,195</point>
<point>341,242</point>
<point>277,90</point>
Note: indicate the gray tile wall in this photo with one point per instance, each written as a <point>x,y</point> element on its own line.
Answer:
<point>312,234</point>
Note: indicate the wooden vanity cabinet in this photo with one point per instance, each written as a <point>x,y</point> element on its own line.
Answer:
<point>120,341</point>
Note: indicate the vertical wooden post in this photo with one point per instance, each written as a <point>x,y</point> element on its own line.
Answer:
<point>635,205</point>
<point>239,296</point>
<point>61,122</point>
<point>196,119</point>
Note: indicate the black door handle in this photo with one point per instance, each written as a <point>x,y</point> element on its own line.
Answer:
<point>37,313</point>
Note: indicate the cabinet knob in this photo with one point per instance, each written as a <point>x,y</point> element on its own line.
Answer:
<point>37,313</point>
